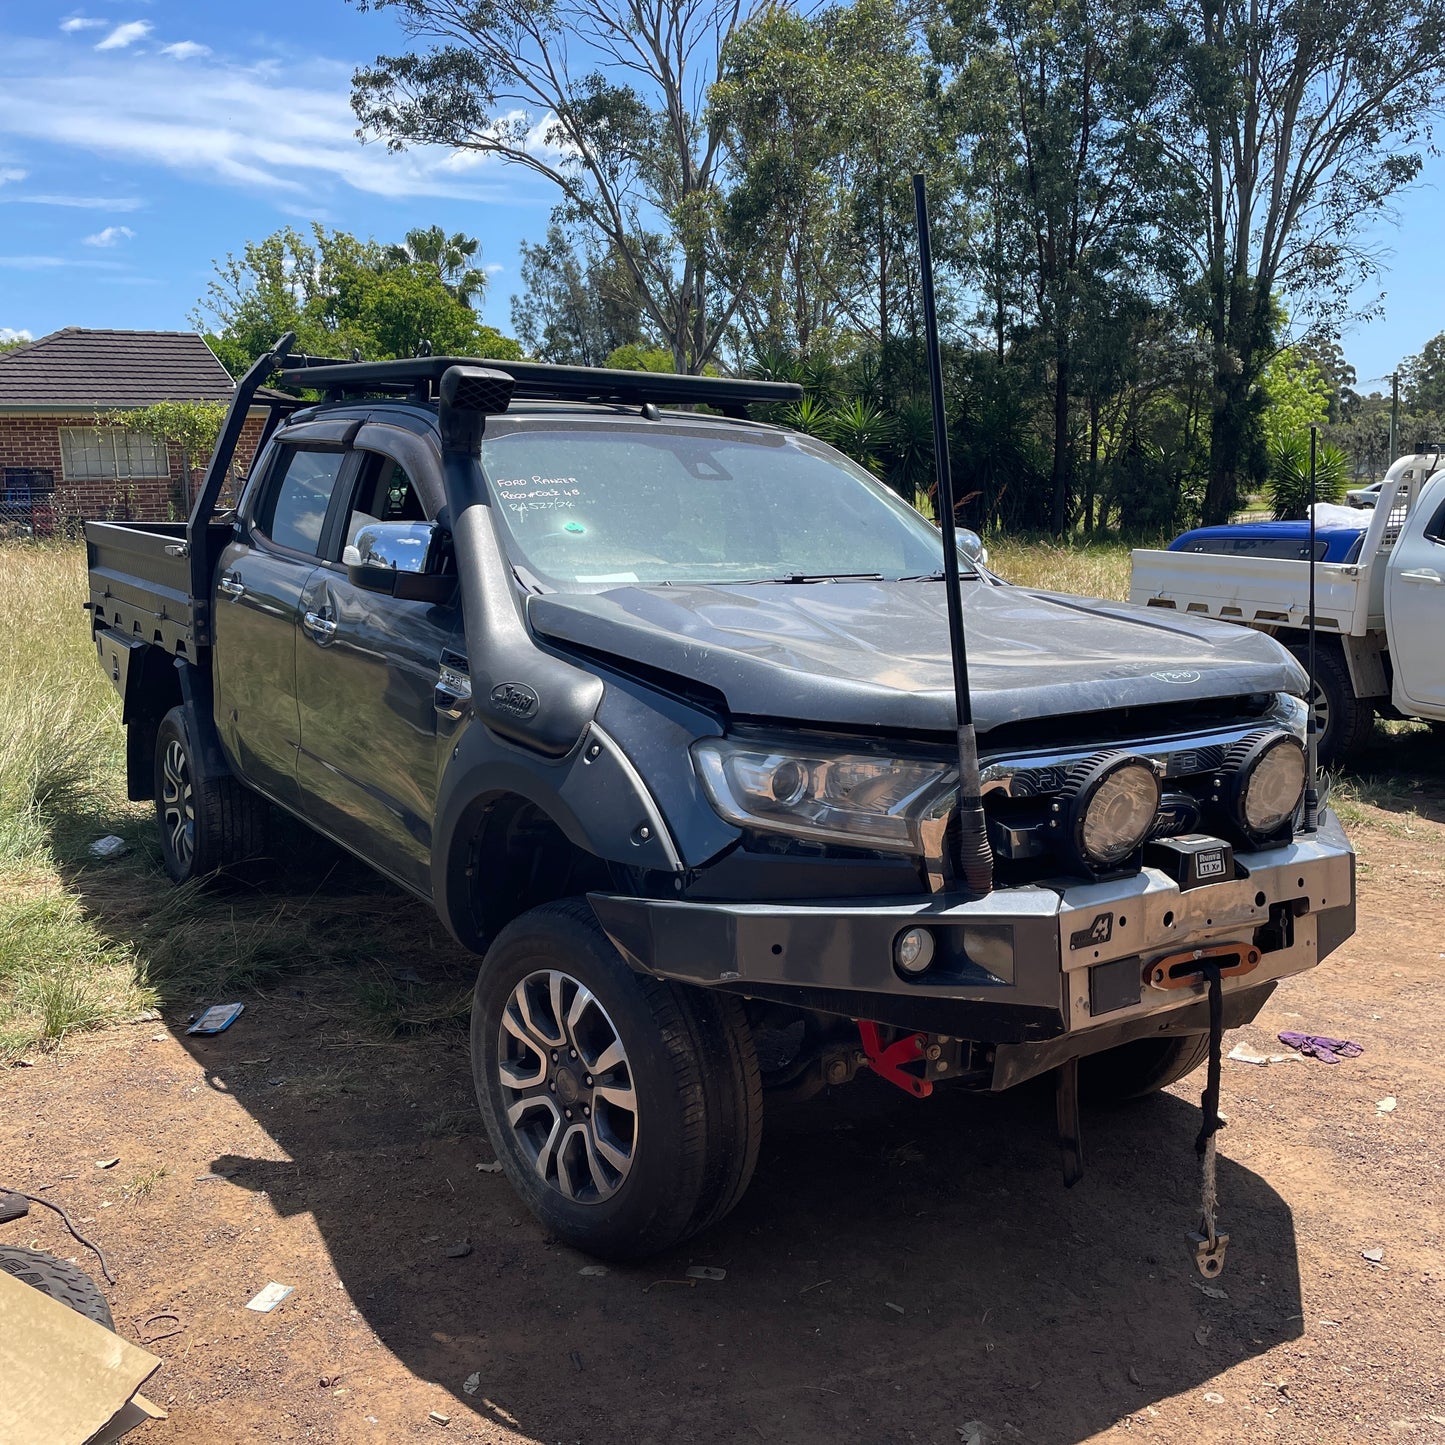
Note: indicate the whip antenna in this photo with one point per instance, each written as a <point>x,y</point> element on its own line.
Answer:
<point>975,857</point>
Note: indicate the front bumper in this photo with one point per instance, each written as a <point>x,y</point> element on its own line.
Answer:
<point>1024,966</point>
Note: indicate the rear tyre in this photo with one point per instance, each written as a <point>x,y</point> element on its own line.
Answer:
<point>59,1279</point>
<point>205,822</point>
<point>625,1111</point>
<point>1345,722</point>
<point>1135,1070</point>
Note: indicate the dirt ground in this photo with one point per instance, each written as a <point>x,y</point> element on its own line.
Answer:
<point>898,1270</point>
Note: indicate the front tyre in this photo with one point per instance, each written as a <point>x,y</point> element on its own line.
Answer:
<point>205,822</point>
<point>625,1111</point>
<point>1145,1066</point>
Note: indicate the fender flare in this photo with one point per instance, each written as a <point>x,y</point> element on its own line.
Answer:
<point>593,794</point>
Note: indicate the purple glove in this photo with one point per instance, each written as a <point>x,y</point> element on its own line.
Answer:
<point>1327,1051</point>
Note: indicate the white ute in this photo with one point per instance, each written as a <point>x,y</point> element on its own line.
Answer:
<point>1380,620</point>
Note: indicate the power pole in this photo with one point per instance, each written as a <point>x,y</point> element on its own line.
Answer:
<point>1394,418</point>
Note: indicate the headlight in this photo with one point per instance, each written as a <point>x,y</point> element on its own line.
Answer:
<point>868,801</point>
<point>1107,808</point>
<point>1263,781</point>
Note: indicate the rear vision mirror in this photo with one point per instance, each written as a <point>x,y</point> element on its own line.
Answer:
<point>970,544</point>
<point>400,559</point>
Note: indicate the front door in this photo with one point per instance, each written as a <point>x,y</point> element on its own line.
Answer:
<point>260,587</point>
<point>366,685</point>
<point>1415,615</point>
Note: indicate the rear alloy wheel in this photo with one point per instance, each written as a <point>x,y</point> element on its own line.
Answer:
<point>625,1111</point>
<point>205,822</point>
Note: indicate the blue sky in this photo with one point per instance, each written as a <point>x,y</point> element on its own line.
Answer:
<point>142,139</point>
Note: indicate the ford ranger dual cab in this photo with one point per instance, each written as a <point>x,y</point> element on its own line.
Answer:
<point>654,707</point>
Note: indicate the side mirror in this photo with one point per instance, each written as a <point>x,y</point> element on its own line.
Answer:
<point>971,545</point>
<point>401,560</point>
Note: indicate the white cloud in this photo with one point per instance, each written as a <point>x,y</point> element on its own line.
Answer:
<point>126,34</point>
<point>218,121</point>
<point>31,263</point>
<point>82,203</point>
<point>9,173</point>
<point>494,268</point>
<point>10,334</point>
<point>110,236</point>
<point>185,50</point>
<point>80,22</point>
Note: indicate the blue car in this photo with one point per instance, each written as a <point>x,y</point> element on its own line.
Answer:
<point>1289,540</point>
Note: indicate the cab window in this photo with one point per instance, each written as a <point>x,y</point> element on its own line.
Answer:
<point>384,493</point>
<point>293,512</point>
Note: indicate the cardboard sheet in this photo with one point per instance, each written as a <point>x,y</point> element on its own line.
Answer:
<point>63,1378</point>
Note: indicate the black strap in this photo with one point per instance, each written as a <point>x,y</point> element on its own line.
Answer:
<point>1209,1099</point>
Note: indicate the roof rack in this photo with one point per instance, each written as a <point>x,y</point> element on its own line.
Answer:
<point>536,381</point>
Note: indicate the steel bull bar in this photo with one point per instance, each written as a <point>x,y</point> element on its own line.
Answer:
<point>1046,973</point>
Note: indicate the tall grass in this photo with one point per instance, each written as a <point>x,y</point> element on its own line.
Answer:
<point>85,942</point>
<point>59,747</point>
<point>1088,569</point>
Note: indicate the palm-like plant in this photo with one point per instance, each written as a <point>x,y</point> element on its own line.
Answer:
<point>1288,485</point>
<point>858,429</point>
<point>451,257</point>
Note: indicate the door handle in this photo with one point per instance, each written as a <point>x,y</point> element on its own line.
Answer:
<point>1427,575</point>
<point>230,583</point>
<point>319,625</point>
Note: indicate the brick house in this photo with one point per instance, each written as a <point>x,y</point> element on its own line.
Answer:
<point>57,465</point>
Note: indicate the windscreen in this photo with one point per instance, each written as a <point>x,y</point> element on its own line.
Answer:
<point>592,507</point>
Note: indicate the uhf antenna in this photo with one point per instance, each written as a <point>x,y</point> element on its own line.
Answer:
<point>1312,740</point>
<point>975,858</point>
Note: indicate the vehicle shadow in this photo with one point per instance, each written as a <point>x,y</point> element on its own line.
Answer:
<point>897,1269</point>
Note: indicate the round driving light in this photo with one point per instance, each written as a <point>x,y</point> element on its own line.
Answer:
<point>1111,801</point>
<point>913,951</point>
<point>1264,778</point>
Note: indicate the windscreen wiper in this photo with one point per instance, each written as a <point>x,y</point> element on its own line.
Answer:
<point>797,577</point>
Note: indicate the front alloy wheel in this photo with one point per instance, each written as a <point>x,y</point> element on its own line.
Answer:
<point>570,1100</point>
<point>626,1111</point>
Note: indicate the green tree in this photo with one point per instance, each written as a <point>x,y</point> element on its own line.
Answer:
<point>579,305</point>
<point>826,117</point>
<point>1300,120</point>
<point>1064,100</point>
<point>451,257</point>
<point>626,140</point>
<point>341,296</point>
<point>1297,397</point>
<point>1422,381</point>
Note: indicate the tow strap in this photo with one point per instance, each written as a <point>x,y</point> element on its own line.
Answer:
<point>1209,1244</point>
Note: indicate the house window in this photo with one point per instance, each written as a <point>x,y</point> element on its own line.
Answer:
<point>90,453</point>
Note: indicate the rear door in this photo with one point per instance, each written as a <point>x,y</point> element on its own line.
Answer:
<point>1415,608</point>
<point>367,667</point>
<point>260,586</point>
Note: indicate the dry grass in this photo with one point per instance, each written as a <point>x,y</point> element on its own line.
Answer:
<point>1087,569</point>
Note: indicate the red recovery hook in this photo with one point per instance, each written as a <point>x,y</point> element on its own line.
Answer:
<point>887,1062</point>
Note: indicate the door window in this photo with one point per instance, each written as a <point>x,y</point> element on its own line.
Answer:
<point>384,493</point>
<point>293,513</point>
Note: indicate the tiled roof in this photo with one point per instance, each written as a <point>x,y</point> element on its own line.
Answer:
<point>83,368</point>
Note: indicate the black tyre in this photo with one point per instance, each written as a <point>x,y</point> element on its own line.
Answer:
<point>205,822</point>
<point>1143,1067</point>
<point>1345,722</point>
<point>59,1279</point>
<point>626,1111</point>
